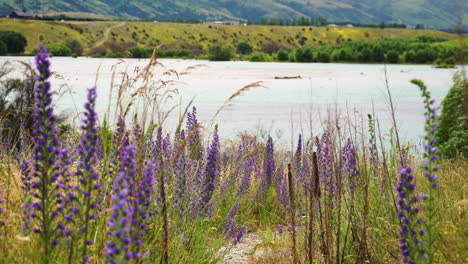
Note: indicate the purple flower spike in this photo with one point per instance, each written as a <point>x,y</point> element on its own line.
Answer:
<point>49,164</point>
<point>410,242</point>
<point>211,171</point>
<point>239,235</point>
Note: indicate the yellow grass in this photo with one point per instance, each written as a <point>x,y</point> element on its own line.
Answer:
<point>149,34</point>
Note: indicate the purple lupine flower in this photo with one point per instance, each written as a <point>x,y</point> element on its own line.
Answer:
<point>88,178</point>
<point>411,242</point>
<point>246,176</point>
<point>350,171</point>
<point>211,171</point>
<point>280,229</point>
<point>430,166</point>
<point>230,222</point>
<point>195,147</point>
<point>269,168</point>
<point>239,235</point>
<point>269,162</point>
<point>374,155</point>
<point>298,155</point>
<point>46,160</point>
<point>122,219</point>
<point>180,172</point>
<point>27,214</point>
<point>325,157</point>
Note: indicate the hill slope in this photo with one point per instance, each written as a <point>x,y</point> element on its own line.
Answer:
<point>432,13</point>
<point>115,35</point>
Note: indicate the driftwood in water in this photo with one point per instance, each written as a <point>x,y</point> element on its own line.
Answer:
<point>288,77</point>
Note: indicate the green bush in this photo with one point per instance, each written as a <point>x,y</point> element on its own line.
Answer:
<point>177,53</point>
<point>392,56</point>
<point>139,52</point>
<point>3,48</point>
<point>58,50</point>
<point>282,55</point>
<point>258,56</point>
<point>75,47</point>
<point>452,132</point>
<point>244,48</point>
<point>304,54</point>
<point>15,42</point>
<point>219,53</point>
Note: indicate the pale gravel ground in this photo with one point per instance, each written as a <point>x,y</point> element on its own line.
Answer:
<point>244,251</point>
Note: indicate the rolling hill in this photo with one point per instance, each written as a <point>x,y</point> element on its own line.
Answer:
<point>441,14</point>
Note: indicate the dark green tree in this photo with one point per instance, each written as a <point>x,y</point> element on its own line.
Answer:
<point>452,132</point>
<point>282,55</point>
<point>16,42</point>
<point>3,48</point>
<point>392,56</point>
<point>244,48</point>
<point>219,53</point>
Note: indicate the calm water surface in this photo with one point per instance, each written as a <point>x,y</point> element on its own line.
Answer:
<point>277,107</point>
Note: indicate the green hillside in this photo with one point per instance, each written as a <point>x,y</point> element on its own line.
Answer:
<point>116,36</point>
<point>432,13</point>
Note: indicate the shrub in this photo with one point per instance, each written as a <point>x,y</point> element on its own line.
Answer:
<point>58,50</point>
<point>3,48</point>
<point>452,133</point>
<point>16,104</point>
<point>392,57</point>
<point>243,48</point>
<point>304,54</point>
<point>75,47</point>
<point>219,53</point>
<point>258,56</point>
<point>282,55</point>
<point>15,42</point>
<point>139,52</point>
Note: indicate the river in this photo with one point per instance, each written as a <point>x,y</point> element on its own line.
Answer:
<point>276,108</point>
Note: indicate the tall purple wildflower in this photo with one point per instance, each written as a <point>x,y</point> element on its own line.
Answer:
<point>350,170</point>
<point>193,129</point>
<point>211,171</point>
<point>269,163</point>
<point>374,155</point>
<point>46,158</point>
<point>298,155</point>
<point>230,222</point>
<point>27,214</point>
<point>88,178</point>
<point>430,166</point>
<point>180,172</point>
<point>239,235</point>
<point>123,216</point>
<point>246,176</point>
<point>411,243</point>
<point>324,152</point>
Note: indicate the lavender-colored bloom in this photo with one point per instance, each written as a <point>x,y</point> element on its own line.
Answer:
<point>123,215</point>
<point>239,235</point>
<point>280,229</point>
<point>195,147</point>
<point>211,174</point>
<point>430,166</point>
<point>246,176</point>
<point>350,171</point>
<point>89,182</point>
<point>374,155</point>
<point>298,155</point>
<point>47,158</point>
<point>410,231</point>
<point>230,222</point>
<point>269,163</point>
<point>180,173</point>
<point>269,168</point>
<point>325,159</point>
